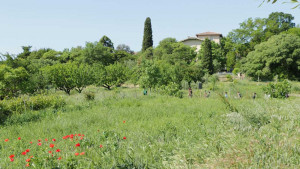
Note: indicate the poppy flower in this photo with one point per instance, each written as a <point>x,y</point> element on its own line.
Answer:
<point>82,153</point>
<point>19,138</point>
<point>58,150</point>
<point>27,165</point>
<point>77,145</point>
<point>23,153</point>
<point>51,145</point>
<point>76,154</point>
<point>50,152</point>
<point>53,140</point>
<point>30,142</point>
<point>124,121</point>
<point>6,140</point>
<point>27,160</point>
<point>46,139</point>
<point>59,158</point>
<point>30,156</point>
<point>12,156</point>
<point>79,134</point>
<point>27,150</point>
<point>101,146</point>
<point>124,138</point>
<point>81,138</point>
<point>39,140</point>
<point>39,144</point>
<point>12,160</point>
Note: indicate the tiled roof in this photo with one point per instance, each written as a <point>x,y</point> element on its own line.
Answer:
<point>208,34</point>
<point>191,38</point>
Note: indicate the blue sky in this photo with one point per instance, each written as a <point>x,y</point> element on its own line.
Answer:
<point>60,24</point>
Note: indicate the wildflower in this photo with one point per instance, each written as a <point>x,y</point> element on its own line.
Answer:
<point>27,165</point>
<point>51,145</point>
<point>124,138</point>
<point>27,160</point>
<point>59,158</point>
<point>58,150</point>
<point>19,138</point>
<point>81,138</point>
<point>39,144</point>
<point>50,152</point>
<point>53,140</point>
<point>124,121</point>
<point>82,153</point>
<point>76,154</point>
<point>101,146</point>
<point>12,160</point>
<point>30,142</point>
<point>39,140</point>
<point>46,139</point>
<point>77,145</point>
<point>27,150</point>
<point>23,153</point>
<point>6,140</point>
<point>12,156</point>
<point>79,134</point>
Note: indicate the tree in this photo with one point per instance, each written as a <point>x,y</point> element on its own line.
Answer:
<point>105,41</point>
<point>280,55</point>
<point>123,47</point>
<point>147,39</point>
<point>231,60</point>
<point>111,75</point>
<point>206,56</point>
<point>97,53</point>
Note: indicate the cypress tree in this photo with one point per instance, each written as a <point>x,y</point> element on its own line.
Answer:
<point>147,40</point>
<point>207,58</point>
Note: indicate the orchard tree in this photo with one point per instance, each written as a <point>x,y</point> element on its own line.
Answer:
<point>280,55</point>
<point>147,39</point>
<point>97,53</point>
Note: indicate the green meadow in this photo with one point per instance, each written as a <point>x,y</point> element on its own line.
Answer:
<point>122,128</point>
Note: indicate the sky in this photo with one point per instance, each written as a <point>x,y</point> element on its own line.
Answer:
<point>60,24</point>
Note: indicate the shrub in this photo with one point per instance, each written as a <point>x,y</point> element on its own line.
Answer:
<point>23,104</point>
<point>229,78</point>
<point>172,89</point>
<point>278,90</point>
<point>236,71</point>
<point>89,96</point>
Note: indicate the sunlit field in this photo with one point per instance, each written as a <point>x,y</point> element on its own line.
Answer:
<point>123,128</point>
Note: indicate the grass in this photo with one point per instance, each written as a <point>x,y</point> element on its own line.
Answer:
<point>160,131</point>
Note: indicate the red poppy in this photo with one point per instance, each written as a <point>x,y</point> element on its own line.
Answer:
<point>50,152</point>
<point>82,153</point>
<point>39,144</point>
<point>58,150</point>
<point>12,160</point>
<point>30,156</point>
<point>81,138</point>
<point>77,145</point>
<point>27,150</point>
<point>76,154</point>
<point>124,138</point>
<point>39,140</point>
<point>53,140</point>
<point>23,153</point>
<point>19,138</point>
<point>51,145</point>
<point>72,135</point>
<point>101,145</point>
<point>30,142</point>
<point>79,134</point>
<point>6,140</point>
<point>46,139</point>
<point>124,121</point>
<point>12,156</point>
<point>59,158</point>
<point>27,160</point>
<point>27,165</point>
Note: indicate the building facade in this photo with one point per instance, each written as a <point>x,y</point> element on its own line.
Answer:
<point>200,37</point>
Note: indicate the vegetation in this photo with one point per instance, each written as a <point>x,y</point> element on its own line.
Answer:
<point>147,40</point>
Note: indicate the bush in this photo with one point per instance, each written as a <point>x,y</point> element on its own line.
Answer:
<point>23,104</point>
<point>278,90</point>
<point>229,78</point>
<point>236,71</point>
<point>172,89</point>
<point>89,96</point>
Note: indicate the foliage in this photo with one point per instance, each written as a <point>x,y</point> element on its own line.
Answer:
<point>279,89</point>
<point>278,56</point>
<point>97,53</point>
<point>297,2</point>
<point>206,56</point>
<point>105,41</point>
<point>236,71</point>
<point>172,89</point>
<point>89,96</point>
<point>229,78</point>
<point>147,39</point>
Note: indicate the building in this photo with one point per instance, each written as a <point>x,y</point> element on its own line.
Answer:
<point>200,37</point>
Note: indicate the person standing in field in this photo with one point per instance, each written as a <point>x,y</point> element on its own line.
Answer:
<point>239,96</point>
<point>226,95</point>
<point>145,92</point>
<point>254,96</point>
<point>190,92</point>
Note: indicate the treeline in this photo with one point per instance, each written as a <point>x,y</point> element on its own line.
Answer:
<point>263,48</point>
